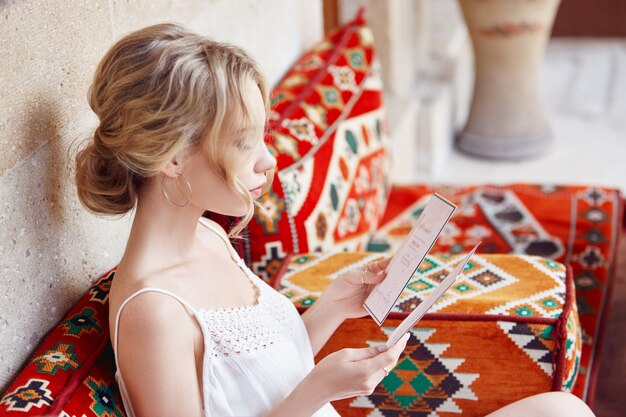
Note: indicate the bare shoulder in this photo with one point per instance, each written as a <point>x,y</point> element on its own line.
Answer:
<point>154,314</point>
<point>153,329</point>
<point>126,283</point>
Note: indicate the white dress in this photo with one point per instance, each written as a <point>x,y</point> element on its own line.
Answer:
<point>254,355</point>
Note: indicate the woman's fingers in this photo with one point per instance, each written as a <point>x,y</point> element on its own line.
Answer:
<point>362,353</point>
<point>378,266</point>
<point>389,358</point>
<point>377,352</point>
<point>371,278</point>
<point>374,271</point>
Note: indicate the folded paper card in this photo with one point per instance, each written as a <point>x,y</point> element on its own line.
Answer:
<point>428,302</point>
<point>408,258</point>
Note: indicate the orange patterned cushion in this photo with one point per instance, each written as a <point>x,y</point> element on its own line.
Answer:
<point>508,328</point>
<point>574,224</point>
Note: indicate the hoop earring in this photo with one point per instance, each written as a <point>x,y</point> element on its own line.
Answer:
<point>177,184</point>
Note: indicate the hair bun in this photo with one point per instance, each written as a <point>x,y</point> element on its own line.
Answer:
<point>103,184</point>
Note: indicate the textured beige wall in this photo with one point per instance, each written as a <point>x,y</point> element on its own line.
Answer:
<point>51,249</point>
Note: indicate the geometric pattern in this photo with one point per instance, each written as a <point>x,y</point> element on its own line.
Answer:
<point>83,322</point>
<point>478,278</point>
<point>538,345</point>
<point>297,285</point>
<point>516,224</point>
<point>104,403</point>
<point>33,394</point>
<point>331,182</point>
<point>270,262</point>
<point>577,226</point>
<point>100,291</point>
<point>97,394</point>
<point>503,312</point>
<point>58,357</point>
<point>424,382</point>
<point>75,353</point>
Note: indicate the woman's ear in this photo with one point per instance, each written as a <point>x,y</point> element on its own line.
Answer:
<point>175,166</point>
<point>171,169</point>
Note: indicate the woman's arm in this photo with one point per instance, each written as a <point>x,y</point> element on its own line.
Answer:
<point>156,357</point>
<point>321,320</point>
<point>342,299</point>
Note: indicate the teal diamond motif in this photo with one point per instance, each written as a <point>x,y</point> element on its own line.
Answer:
<point>549,303</point>
<point>524,311</point>
<point>552,264</point>
<point>392,382</point>
<point>373,246</point>
<point>421,383</point>
<point>331,96</point>
<point>356,58</point>
<point>462,288</point>
<point>427,265</point>
<point>302,259</point>
<point>307,301</point>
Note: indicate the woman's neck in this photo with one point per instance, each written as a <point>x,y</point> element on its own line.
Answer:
<point>162,234</point>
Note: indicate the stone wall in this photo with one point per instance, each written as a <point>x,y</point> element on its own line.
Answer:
<point>51,249</point>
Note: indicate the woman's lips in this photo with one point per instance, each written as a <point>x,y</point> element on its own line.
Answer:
<point>256,192</point>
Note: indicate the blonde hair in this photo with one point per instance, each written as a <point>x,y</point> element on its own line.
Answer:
<point>158,92</point>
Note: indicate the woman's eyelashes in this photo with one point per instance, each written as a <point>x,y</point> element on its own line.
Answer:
<point>243,144</point>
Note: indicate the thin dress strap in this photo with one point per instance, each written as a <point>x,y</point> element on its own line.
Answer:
<point>121,383</point>
<point>135,294</point>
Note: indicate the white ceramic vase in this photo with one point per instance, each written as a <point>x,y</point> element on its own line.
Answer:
<point>507,118</point>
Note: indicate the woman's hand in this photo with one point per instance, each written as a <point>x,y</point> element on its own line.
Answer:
<point>351,372</point>
<point>346,294</point>
<point>343,374</point>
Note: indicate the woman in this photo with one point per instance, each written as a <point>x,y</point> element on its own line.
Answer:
<point>194,331</point>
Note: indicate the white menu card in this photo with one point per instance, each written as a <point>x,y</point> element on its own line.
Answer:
<point>408,258</point>
<point>428,302</point>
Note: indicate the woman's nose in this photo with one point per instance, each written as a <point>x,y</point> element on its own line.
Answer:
<point>268,161</point>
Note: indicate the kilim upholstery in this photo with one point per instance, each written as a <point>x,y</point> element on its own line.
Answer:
<point>506,329</point>
<point>578,226</point>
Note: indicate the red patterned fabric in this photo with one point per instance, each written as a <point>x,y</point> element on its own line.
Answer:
<point>328,124</point>
<point>72,371</point>
<point>575,225</point>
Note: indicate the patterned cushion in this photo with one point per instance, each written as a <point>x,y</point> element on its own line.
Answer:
<point>71,372</point>
<point>576,225</point>
<point>505,312</point>
<point>331,185</point>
